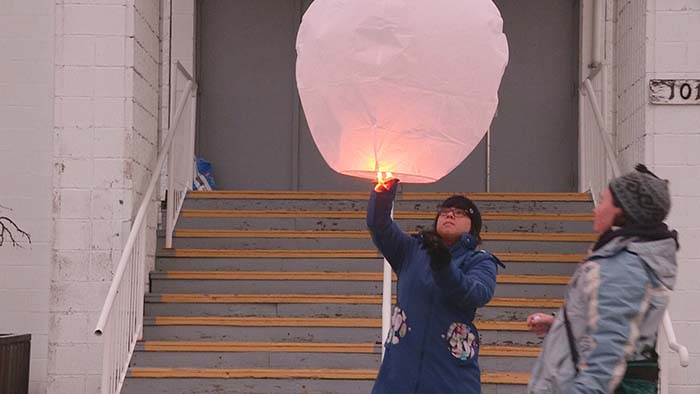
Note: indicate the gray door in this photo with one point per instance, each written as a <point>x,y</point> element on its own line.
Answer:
<point>534,137</point>
<point>248,108</point>
<point>253,130</point>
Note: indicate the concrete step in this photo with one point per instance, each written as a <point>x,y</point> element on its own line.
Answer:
<point>330,265</point>
<point>331,276</point>
<point>162,384</point>
<point>398,215</point>
<point>193,220</point>
<point>221,359</point>
<point>349,254</point>
<point>256,329</point>
<point>426,202</point>
<point>339,260</point>
<point>360,239</point>
<point>321,373</point>
<point>315,305</point>
<point>364,234</point>
<point>174,385</point>
<point>355,220</point>
<point>219,354</point>
<point>297,292</point>
<point>263,282</point>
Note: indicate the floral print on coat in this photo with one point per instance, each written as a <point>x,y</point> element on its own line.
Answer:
<point>399,326</point>
<point>462,341</point>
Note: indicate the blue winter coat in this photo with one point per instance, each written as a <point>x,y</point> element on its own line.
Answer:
<point>433,345</point>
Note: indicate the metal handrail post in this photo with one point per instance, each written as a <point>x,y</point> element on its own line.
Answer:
<point>386,299</point>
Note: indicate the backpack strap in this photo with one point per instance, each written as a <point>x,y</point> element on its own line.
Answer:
<point>572,342</point>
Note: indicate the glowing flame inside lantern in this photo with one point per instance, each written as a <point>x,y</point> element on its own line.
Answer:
<point>384,181</point>
<point>406,86</point>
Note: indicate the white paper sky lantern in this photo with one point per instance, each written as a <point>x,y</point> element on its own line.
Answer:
<point>407,86</point>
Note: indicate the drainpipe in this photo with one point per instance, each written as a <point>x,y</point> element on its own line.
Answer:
<point>599,52</point>
<point>596,66</point>
<point>596,52</point>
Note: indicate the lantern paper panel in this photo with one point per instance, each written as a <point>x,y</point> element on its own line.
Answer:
<point>407,86</point>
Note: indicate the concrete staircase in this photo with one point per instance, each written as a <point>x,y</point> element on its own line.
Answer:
<point>270,292</point>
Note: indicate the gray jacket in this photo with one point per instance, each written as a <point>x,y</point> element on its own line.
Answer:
<point>615,302</point>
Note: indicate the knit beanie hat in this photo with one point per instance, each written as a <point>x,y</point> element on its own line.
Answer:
<point>458,201</point>
<point>643,197</point>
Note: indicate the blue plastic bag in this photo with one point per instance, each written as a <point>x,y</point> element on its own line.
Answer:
<point>204,179</point>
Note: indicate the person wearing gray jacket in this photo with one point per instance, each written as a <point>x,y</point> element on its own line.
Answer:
<point>616,297</point>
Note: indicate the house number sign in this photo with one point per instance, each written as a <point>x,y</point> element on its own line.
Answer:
<point>674,91</point>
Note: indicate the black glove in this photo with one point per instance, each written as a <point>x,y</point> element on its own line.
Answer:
<point>439,253</point>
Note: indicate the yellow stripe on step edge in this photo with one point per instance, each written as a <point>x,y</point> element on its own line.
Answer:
<point>311,347</point>
<point>516,378</point>
<point>350,253</point>
<point>488,325</point>
<point>334,299</point>
<point>341,276</point>
<point>399,215</point>
<point>364,234</point>
<point>409,196</point>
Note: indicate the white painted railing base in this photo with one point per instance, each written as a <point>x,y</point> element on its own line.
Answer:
<point>386,299</point>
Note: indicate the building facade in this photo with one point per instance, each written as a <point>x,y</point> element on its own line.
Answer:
<point>85,103</point>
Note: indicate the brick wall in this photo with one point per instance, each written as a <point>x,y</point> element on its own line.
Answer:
<point>92,182</point>
<point>105,133</point>
<point>26,150</point>
<point>661,39</point>
<point>673,143</point>
<point>629,71</point>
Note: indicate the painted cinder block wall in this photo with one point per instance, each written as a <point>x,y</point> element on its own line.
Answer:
<point>105,135</point>
<point>660,39</point>
<point>107,84</point>
<point>78,105</point>
<point>26,153</point>
<point>671,147</point>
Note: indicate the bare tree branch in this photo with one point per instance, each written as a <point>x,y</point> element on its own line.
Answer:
<point>5,228</point>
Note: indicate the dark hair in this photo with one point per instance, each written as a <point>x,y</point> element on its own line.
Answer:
<point>462,202</point>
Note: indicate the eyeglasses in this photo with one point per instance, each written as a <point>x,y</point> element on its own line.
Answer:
<point>456,212</point>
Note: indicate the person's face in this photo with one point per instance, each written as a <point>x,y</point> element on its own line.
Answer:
<point>605,213</point>
<point>452,223</point>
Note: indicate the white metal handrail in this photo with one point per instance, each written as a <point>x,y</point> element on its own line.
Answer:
<point>180,172</point>
<point>121,319</point>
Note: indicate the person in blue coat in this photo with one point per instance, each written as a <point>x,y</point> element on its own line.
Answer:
<point>433,345</point>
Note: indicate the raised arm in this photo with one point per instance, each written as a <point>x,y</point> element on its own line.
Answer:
<point>393,243</point>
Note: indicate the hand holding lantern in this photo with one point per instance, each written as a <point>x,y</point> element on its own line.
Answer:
<point>385,182</point>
